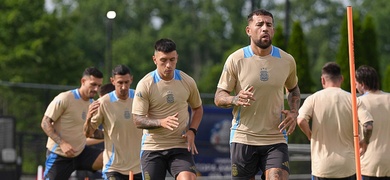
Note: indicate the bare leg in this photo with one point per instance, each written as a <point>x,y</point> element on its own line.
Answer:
<point>186,175</point>
<point>276,174</point>
<point>98,164</point>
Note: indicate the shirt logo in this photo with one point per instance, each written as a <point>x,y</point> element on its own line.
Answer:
<point>139,94</point>
<point>263,74</point>
<point>170,97</point>
<point>127,114</point>
<point>84,115</point>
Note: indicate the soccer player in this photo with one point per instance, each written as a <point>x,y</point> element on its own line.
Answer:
<point>375,161</point>
<point>122,140</point>
<point>63,124</point>
<point>161,108</point>
<point>331,134</point>
<point>258,75</point>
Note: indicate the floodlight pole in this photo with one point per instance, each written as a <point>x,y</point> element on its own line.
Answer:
<point>110,16</point>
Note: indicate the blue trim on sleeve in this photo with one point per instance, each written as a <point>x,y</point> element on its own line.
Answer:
<point>157,78</point>
<point>113,96</point>
<point>131,93</point>
<point>275,52</point>
<point>109,163</point>
<point>76,94</point>
<point>247,52</point>
<point>177,75</point>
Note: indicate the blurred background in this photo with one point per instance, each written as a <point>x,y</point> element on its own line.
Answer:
<point>46,45</point>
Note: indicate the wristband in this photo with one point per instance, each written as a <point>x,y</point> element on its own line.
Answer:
<point>193,130</point>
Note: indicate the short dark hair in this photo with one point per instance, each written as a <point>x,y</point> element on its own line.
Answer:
<point>165,45</point>
<point>368,76</point>
<point>92,71</point>
<point>121,70</point>
<point>106,88</point>
<point>258,12</point>
<point>332,71</point>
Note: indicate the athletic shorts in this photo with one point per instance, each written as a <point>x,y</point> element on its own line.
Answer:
<point>248,160</point>
<point>353,177</point>
<point>59,167</point>
<point>374,178</point>
<point>155,164</point>
<point>119,176</point>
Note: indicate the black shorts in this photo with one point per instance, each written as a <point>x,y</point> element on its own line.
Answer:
<point>59,167</point>
<point>374,178</point>
<point>155,164</point>
<point>248,160</point>
<point>353,177</point>
<point>119,176</point>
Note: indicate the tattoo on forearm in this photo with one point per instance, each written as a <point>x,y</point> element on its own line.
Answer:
<point>143,122</point>
<point>223,99</point>
<point>49,130</point>
<point>367,131</point>
<point>294,99</point>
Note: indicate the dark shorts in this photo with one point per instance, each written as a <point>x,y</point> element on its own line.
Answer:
<point>374,178</point>
<point>353,177</point>
<point>155,164</point>
<point>59,167</point>
<point>119,176</point>
<point>248,160</point>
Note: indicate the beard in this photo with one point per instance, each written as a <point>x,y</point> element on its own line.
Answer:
<point>262,44</point>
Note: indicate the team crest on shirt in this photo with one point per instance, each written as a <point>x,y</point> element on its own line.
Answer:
<point>127,114</point>
<point>84,115</point>
<point>170,97</point>
<point>263,74</point>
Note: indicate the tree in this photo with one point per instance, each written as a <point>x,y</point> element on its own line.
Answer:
<point>343,58</point>
<point>369,37</point>
<point>298,49</point>
<point>386,80</point>
<point>279,39</point>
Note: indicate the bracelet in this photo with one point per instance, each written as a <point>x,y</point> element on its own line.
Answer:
<point>193,130</point>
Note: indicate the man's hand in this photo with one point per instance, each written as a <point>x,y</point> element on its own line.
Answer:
<point>244,97</point>
<point>67,149</point>
<point>92,109</point>
<point>289,122</point>
<point>363,147</point>
<point>170,122</point>
<point>191,147</point>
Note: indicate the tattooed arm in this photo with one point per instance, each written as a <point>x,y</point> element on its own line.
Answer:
<point>144,122</point>
<point>48,128</point>
<point>367,132</point>
<point>225,100</point>
<point>294,101</point>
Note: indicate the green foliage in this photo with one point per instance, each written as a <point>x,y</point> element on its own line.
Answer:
<point>369,37</point>
<point>379,10</point>
<point>386,80</point>
<point>298,49</point>
<point>279,39</point>
<point>365,47</point>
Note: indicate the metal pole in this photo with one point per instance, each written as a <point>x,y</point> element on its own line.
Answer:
<point>111,16</point>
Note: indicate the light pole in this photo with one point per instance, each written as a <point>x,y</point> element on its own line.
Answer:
<point>110,16</point>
